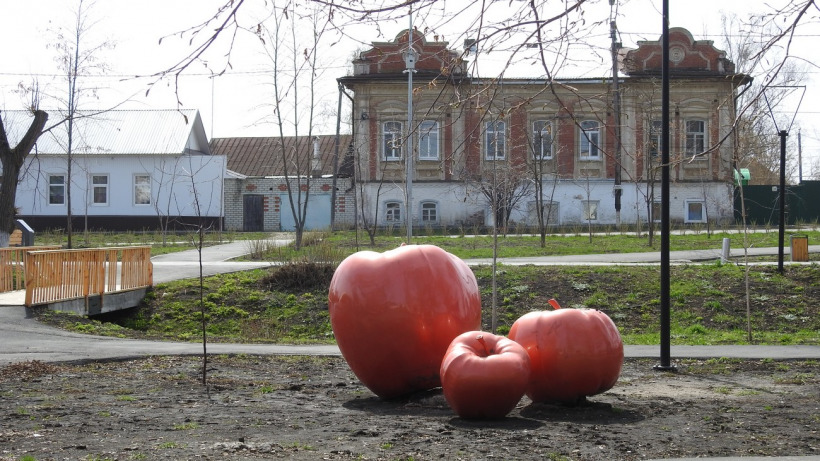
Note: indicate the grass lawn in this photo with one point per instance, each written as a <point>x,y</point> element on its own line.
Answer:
<point>288,304</point>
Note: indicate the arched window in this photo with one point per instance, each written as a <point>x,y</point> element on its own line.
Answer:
<point>429,212</point>
<point>495,136</point>
<point>695,137</point>
<point>392,212</point>
<point>428,140</point>
<point>542,140</point>
<point>391,140</point>
<point>590,140</point>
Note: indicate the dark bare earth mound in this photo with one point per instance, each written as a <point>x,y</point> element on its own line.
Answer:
<point>314,408</point>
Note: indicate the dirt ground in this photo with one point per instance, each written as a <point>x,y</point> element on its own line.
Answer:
<point>314,408</point>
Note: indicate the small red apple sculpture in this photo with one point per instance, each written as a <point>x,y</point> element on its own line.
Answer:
<point>395,313</point>
<point>484,376</point>
<point>574,353</point>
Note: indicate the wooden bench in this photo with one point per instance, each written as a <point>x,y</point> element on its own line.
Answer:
<point>16,238</point>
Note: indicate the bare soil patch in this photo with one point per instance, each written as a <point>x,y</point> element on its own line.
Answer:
<point>314,408</point>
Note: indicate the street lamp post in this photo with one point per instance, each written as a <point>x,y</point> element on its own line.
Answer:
<point>410,57</point>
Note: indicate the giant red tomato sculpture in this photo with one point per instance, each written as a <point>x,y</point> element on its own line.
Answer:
<point>573,353</point>
<point>394,314</point>
<point>484,375</point>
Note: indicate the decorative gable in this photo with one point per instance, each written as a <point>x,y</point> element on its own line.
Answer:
<point>388,57</point>
<point>686,55</point>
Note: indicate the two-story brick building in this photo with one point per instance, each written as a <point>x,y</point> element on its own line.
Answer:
<point>516,139</point>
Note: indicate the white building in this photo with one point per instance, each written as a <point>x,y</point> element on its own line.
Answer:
<point>129,170</point>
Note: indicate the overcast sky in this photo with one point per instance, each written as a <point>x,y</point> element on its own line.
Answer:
<point>236,103</point>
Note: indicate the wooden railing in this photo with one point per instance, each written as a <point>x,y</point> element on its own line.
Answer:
<point>12,263</point>
<point>59,275</point>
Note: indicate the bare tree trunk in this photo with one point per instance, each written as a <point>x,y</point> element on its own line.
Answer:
<point>12,160</point>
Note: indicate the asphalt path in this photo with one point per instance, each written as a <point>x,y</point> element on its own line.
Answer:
<point>22,338</point>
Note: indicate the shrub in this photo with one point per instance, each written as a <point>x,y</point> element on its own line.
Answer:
<point>299,276</point>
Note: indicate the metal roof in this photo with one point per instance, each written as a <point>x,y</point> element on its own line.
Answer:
<point>120,132</point>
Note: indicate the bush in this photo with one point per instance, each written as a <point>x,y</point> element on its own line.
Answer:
<point>299,276</point>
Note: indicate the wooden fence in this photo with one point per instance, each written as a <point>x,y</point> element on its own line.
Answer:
<point>59,275</point>
<point>12,264</point>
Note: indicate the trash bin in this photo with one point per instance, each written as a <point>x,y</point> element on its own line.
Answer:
<point>800,247</point>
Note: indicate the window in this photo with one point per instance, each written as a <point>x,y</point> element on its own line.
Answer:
<point>590,210</point>
<point>392,212</point>
<point>695,211</point>
<point>695,137</point>
<point>494,139</point>
<point>391,140</point>
<point>542,140</point>
<point>654,143</point>
<point>656,211</point>
<point>551,210</point>
<point>142,189</point>
<point>99,189</point>
<point>590,134</point>
<point>428,140</point>
<point>56,189</point>
<point>429,212</point>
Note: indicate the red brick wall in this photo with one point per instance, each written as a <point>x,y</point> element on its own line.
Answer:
<point>566,146</point>
<point>518,150</point>
<point>447,150</point>
<point>472,146</point>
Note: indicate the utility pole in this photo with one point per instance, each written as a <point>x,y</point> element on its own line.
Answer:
<point>410,68</point>
<point>616,107</point>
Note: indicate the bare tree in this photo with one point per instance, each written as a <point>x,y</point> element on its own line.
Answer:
<point>76,59</point>
<point>294,70</point>
<point>757,140</point>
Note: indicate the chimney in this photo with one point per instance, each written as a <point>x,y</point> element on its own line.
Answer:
<point>316,165</point>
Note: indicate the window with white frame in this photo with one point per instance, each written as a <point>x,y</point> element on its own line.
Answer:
<point>429,212</point>
<point>590,209</point>
<point>654,142</point>
<point>695,211</point>
<point>695,137</point>
<point>428,140</point>
<point>392,212</point>
<point>142,189</point>
<point>56,189</point>
<point>590,140</point>
<point>99,189</point>
<point>391,140</point>
<point>495,133</point>
<point>542,139</point>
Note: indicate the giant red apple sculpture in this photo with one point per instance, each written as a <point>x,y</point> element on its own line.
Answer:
<point>483,376</point>
<point>574,353</point>
<point>395,313</point>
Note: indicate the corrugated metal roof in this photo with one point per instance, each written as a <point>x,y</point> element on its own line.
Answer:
<point>121,132</point>
<point>266,156</point>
